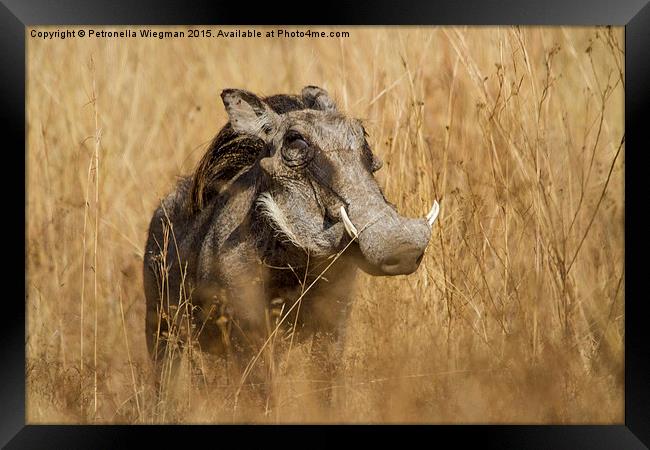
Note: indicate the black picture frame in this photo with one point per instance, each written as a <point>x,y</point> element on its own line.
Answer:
<point>16,15</point>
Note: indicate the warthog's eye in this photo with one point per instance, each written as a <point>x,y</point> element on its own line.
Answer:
<point>296,152</point>
<point>295,141</point>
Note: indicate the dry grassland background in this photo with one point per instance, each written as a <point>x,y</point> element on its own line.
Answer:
<point>516,312</point>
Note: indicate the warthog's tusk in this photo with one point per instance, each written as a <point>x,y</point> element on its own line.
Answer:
<point>433,214</point>
<point>347,223</point>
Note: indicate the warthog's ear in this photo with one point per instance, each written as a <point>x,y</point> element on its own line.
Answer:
<point>248,113</point>
<point>317,98</point>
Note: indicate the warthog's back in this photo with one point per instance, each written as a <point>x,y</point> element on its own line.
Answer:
<point>170,256</point>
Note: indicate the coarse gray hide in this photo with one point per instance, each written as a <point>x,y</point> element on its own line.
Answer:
<point>285,191</point>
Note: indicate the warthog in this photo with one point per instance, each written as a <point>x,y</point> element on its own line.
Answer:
<point>285,191</point>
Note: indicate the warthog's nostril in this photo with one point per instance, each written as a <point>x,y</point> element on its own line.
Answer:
<point>391,261</point>
<point>404,262</point>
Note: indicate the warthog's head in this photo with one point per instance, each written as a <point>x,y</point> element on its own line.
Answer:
<point>318,189</point>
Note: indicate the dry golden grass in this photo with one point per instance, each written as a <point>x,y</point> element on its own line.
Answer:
<point>516,313</point>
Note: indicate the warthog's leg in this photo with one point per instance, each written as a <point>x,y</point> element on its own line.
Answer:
<point>166,343</point>
<point>326,319</point>
<point>242,333</point>
<point>275,349</point>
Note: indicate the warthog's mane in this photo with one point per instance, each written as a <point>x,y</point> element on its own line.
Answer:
<point>229,153</point>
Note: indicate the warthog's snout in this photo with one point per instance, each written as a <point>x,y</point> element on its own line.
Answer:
<point>390,244</point>
<point>404,259</point>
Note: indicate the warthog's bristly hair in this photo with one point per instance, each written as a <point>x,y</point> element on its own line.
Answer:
<point>230,152</point>
<point>272,212</point>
